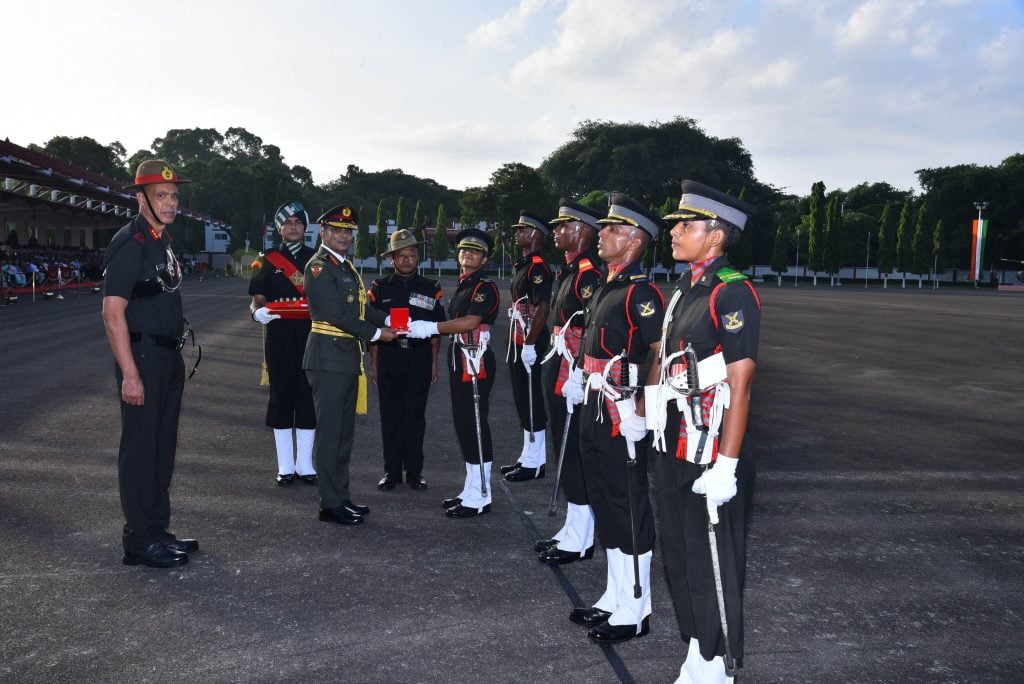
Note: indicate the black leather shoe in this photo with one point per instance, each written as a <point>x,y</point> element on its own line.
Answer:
<point>354,509</point>
<point>156,555</point>
<point>508,468</point>
<point>451,503</point>
<point>285,480</point>
<point>340,516</point>
<point>521,474</point>
<point>387,482</point>
<point>461,511</point>
<point>556,556</point>
<point>180,545</point>
<point>589,616</point>
<point>543,545</point>
<point>606,635</point>
<point>417,482</point>
<point>309,479</point>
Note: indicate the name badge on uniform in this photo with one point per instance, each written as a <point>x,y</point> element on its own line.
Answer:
<point>422,301</point>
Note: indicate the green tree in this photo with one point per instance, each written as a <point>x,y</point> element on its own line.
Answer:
<point>401,220</point>
<point>364,240</point>
<point>903,241</point>
<point>938,242</point>
<point>382,233</point>
<point>886,243</point>
<point>921,252</point>
<point>596,199</point>
<point>182,145</point>
<point>108,160</point>
<point>665,237</point>
<point>440,237</point>
<point>417,227</point>
<point>741,254</point>
<point>816,229</point>
<point>780,253</point>
<point>832,236</point>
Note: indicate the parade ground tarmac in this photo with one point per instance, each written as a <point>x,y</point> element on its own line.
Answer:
<point>887,543</point>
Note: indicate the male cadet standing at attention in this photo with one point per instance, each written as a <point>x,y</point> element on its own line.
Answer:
<point>471,312</point>
<point>623,325</point>
<point>528,338</point>
<point>576,228</point>
<point>709,345</point>
<point>403,370</point>
<point>334,360</point>
<point>277,277</point>
<point>144,322</point>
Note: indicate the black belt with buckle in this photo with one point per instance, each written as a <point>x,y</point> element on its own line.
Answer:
<point>175,343</point>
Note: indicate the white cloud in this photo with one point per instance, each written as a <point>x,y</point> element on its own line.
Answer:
<point>500,32</point>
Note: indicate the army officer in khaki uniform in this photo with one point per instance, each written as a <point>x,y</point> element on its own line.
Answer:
<point>341,324</point>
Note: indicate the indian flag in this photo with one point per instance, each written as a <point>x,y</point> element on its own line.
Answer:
<point>980,229</point>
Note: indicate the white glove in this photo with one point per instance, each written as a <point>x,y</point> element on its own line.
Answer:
<point>718,483</point>
<point>421,330</point>
<point>387,321</point>
<point>572,390</point>
<point>529,355</point>
<point>263,316</point>
<point>631,426</point>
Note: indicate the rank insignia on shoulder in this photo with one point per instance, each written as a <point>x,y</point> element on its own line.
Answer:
<point>647,309</point>
<point>587,292</point>
<point>479,298</point>
<point>733,322</point>
<point>316,270</point>
<point>638,277</point>
<point>538,279</point>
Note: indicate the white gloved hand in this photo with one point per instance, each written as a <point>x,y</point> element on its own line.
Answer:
<point>421,330</point>
<point>631,426</point>
<point>529,355</point>
<point>387,321</point>
<point>572,390</point>
<point>718,483</point>
<point>263,316</point>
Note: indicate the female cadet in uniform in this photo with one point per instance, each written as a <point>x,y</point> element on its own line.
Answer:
<point>473,309</point>
<point>713,310</point>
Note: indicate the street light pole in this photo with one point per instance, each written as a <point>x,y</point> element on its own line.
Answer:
<point>796,272</point>
<point>979,206</point>
<point>867,260</point>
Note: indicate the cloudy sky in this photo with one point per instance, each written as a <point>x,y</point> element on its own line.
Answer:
<point>843,91</point>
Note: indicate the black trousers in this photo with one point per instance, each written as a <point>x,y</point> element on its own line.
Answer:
<point>334,396</point>
<point>606,474</point>
<point>523,384</point>
<point>572,468</point>
<point>686,548</point>
<point>462,406</point>
<point>149,438</point>
<point>403,384</point>
<point>291,399</point>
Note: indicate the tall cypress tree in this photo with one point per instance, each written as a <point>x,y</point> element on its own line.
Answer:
<point>364,241</point>
<point>816,228</point>
<point>903,241</point>
<point>400,217</point>
<point>741,254</point>
<point>938,244</point>
<point>382,233</point>
<point>886,243</point>
<point>922,254</point>
<point>780,253</point>
<point>665,238</point>
<point>440,237</point>
<point>417,227</point>
<point>832,237</point>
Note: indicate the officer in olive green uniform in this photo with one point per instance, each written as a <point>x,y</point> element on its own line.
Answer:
<point>341,323</point>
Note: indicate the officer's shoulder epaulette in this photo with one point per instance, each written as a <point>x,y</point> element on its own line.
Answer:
<point>728,274</point>
<point>586,265</point>
<point>638,277</point>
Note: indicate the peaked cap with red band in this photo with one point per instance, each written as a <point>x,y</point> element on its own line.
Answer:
<point>341,216</point>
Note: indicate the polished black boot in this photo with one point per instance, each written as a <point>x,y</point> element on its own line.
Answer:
<point>606,635</point>
<point>521,474</point>
<point>156,555</point>
<point>543,545</point>
<point>556,556</point>
<point>589,617</point>
<point>451,503</point>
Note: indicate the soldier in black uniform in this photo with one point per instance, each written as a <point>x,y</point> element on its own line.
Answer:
<point>622,320</point>
<point>277,276</point>
<point>575,231</point>
<point>341,323</point>
<point>703,470</point>
<point>403,370</point>
<point>528,339</point>
<point>472,311</point>
<point>142,315</point>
